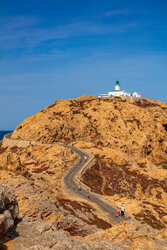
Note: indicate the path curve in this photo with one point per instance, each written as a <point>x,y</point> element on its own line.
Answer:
<point>70,182</point>
<point>71,185</point>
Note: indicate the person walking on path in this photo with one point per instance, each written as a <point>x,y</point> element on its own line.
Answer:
<point>79,186</point>
<point>122,209</point>
<point>118,213</point>
<point>87,194</point>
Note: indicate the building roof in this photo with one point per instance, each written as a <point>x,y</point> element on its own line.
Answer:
<point>117,83</point>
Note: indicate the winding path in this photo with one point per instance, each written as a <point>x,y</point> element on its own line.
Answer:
<point>70,183</point>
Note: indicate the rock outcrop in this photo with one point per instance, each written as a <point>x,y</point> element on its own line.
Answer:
<point>128,138</point>
<point>126,235</point>
<point>36,173</point>
<point>138,129</point>
<point>9,209</point>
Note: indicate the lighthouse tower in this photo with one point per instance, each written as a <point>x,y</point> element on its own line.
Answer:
<point>117,85</point>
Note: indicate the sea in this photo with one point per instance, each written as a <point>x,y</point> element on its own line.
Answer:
<point>3,132</point>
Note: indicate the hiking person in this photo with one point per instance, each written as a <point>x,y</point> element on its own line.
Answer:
<point>87,194</point>
<point>79,186</point>
<point>118,213</point>
<point>122,209</point>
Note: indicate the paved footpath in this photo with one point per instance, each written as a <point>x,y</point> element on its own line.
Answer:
<point>72,186</point>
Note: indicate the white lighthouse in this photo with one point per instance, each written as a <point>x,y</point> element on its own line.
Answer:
<point>117,85</point>
<point>119,92</point>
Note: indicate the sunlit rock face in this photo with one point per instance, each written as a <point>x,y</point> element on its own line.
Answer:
<point>128,138</point>
<point>36,174</point>
<point>137,128</point>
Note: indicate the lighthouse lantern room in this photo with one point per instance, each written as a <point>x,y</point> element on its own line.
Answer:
<point>117,85</point>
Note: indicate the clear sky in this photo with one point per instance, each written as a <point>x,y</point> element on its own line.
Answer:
<point>58,49</point>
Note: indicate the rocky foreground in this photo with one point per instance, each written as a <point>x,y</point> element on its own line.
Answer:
<point>9,209</point>
<point>129,141</point>
<point>44,235</point>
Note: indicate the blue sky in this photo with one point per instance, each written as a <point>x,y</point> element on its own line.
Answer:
<point>58,49</point>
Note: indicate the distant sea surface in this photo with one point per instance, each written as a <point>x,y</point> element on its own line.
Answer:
<point>2,133</point>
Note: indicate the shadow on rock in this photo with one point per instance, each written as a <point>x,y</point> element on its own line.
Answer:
<point>10,235</point>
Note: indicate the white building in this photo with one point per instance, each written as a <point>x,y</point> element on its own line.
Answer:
<point>119,92</point>
<point>135,94</point>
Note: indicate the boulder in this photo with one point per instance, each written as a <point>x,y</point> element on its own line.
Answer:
<point>9,209</point>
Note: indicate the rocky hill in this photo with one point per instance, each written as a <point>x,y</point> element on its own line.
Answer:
<point>128,138</point>
<point>138,128</point>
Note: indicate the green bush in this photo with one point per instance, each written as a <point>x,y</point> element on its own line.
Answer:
<point>164,166</point>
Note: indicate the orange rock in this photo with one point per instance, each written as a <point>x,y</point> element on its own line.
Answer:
<point>129,142</point>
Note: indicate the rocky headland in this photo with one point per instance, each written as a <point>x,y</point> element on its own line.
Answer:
<point>128,138</point>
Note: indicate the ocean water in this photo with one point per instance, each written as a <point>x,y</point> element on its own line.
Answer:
<point>2,133</point>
